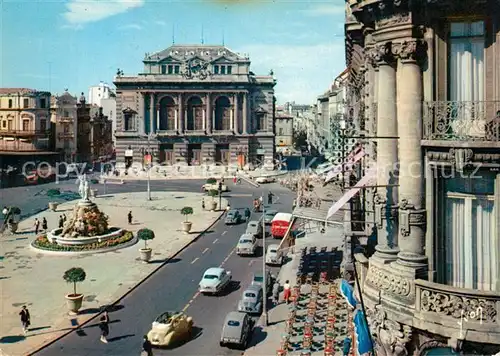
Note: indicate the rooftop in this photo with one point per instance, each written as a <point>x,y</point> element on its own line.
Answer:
<point>19,91</point>
<point>183,52</point>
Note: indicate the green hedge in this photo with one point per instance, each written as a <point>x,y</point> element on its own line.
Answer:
<point>53,192</point>
<point>44,244</point>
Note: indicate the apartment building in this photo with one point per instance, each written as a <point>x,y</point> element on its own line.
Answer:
<point>428,74</point>
<point>64,118</point>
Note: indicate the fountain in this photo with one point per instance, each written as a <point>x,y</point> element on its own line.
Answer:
<point>87,224</point>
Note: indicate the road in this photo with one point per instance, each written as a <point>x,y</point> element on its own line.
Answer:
<point>174,287</point>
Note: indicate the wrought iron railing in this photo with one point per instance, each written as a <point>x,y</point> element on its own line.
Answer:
<point>461,120</point>
<point>25,133</point>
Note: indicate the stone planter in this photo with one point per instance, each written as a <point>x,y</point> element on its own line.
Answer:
<point>13,227</point>
<point>145,254</point>
<point>213,205</point>
<point>186,226</point>
<point>53,206</point>
<point>74,303</point>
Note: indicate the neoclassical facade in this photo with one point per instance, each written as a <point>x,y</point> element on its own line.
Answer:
<point>197,104</point>
<point>428,74</point>
<point>64,117</point>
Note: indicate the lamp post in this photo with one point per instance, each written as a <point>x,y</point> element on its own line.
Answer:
<point>264,281</point>
<point>149,137</point>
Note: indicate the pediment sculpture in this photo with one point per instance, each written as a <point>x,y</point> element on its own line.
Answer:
<point>196,68</point>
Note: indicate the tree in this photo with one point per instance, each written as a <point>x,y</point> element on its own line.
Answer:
<point>74,275</point>
<point>145,235</point>
<point>299,139</point>
<point>186,211</point>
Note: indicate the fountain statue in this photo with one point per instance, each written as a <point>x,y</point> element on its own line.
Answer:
<point>87,219</point>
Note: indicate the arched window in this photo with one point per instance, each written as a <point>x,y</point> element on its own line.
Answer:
<point>222,113</point>
<point>194,113</point>
<point>167,114</point>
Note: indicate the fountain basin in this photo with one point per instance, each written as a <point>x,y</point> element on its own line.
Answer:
<point>54,237</point>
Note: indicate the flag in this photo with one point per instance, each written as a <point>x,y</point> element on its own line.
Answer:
<point>364,343</point>
<point>347,292</point>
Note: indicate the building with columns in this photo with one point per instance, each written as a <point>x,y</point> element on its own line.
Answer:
<point>428,74</point>
<point>197,104</point>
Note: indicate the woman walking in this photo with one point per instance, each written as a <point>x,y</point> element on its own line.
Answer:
<point>104,326</point>
<point>287,292</point>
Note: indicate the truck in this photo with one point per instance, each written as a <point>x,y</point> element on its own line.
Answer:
<point>280,224</point>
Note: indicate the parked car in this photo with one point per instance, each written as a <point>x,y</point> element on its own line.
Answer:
<point>258,280</point>
<point>214,280</point>
<point>251,301</point>
<point>170,328</point>
<point>247,245</point>
<point>274,256</point>
<point>254,228</point>
<point>269,216</point>
<point>264,180</point>
<point>233,217</point>
<point>236,330</point>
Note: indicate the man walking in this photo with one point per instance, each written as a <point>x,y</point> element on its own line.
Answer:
<point>37,226</point>
<point>45,225</point>
<point>147,348</point>
<point>61,221</point>
<point>104,326</point>
<point>129,216</point>
<point>25,319</point>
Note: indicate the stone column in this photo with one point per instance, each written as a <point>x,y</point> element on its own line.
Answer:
<point>231,115</point>
<point>236,113</point>
<point>143,128</point>
<point>412,213</point>
<point>152,121</point>
<point>181,113</point>
<point>208,111</point>
<point>386,198</point>
<point>245,114</point>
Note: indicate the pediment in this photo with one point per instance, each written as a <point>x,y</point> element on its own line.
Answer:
<point>169,59</point>
<point>128,110</point>
<point>222,60</point>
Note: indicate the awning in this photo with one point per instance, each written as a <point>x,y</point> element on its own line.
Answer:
<point>368,179</point>
<point>197,139</point>
<point>346,166</point>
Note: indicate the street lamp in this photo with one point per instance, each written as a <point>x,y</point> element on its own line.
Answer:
<point>264,286</point>
<point>149,137</point>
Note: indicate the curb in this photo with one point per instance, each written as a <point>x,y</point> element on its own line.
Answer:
<point>40,348</point>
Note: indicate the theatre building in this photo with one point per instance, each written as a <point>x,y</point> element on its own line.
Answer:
<point>194,105</point>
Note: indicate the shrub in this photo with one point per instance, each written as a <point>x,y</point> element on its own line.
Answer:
<point>186,211</point>
<point>74,275</point>
<point>94,181</point>
<point>211,181</point>
<point>145,235</point>
<point>213,193</point>
<point>53,192</point>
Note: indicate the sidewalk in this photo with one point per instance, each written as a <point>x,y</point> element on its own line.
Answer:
<point>31,278</point>
<point>266,340</point>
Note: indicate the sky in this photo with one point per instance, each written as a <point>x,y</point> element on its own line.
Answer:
<point>72,44</point>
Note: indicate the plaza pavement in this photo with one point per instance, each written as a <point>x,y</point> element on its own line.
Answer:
<point>29,277</point>
<point>266,339</point>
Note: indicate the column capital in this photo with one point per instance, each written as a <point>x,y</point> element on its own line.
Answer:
<point>410,51</point>
<point>381,54</point>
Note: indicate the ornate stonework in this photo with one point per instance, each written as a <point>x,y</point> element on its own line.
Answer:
<point>413,50</point>
<point>391,337</point>
<point>196,68</point>
<point>389,282</point>
<point>458,307</point>
<point>393,20</point>
<point>383,211</point>
<point>477,157</point>
<point>409,216</point>
<point>461,157</point>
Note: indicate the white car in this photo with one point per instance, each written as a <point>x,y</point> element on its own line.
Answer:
<point>214,280</point>
<point>247,245</point>
<point>274,256</point>
<point>263,180</point>
<point>208,187</point>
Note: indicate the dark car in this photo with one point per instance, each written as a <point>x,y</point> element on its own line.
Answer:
<point>269,215</point>
<point>233,217</point>
<point>237,330</point>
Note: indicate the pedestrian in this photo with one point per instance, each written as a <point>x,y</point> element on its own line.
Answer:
<point>129,216</point>
<point>147,348</point>
<point>235,179</point>
<point>287,291</point>
<point>44,224</point>
<point>61,221</point>
<point>104,326</point>
<point>203,203</point>
<point>276,292</point>
<point>5,211</point>
<point>270,198</point>
<point>36,225</point>
<point>25,318</point>
<point>64,218</point>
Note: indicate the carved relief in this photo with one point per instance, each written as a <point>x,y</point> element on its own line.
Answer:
<point>395,19</point>
<point>410,50</point>
<point>429,345</point>
<point>388,282</point>
<point>457,306</point>
<point>383,211</point>
<point>409,216</point>
<point>195,68</point>
<point>461,157</point>
<point>391,337</point>
<point>478,157</point>
<point>382,53</point>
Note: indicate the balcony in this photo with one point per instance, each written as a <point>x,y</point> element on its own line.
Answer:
<point>456,312</point>
<point>24,133</point>
<point>452,123</point>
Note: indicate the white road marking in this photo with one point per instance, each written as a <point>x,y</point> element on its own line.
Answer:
<point>205,250</point>
<point>225,232</point>
<point>251,262</point>
<point>215,241</point>
<point>193,261</point>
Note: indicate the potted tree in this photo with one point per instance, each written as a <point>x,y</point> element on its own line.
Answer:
<point>213,193</point>
<point>74,300</point>
<point>186,225</point>
<point>145,235</point>
<point>12,221</point>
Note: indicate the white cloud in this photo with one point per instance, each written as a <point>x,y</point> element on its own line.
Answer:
<point>302,72</point>
<point>130,26</point>
<point>160,23</point>
<point>85,11</point>
<point>326,10</point>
